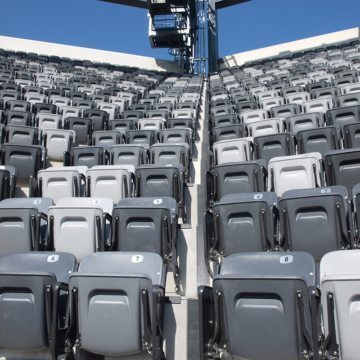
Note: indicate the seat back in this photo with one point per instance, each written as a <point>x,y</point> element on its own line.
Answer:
<point>57,142</point>
<point>315,220</point>
<point>113,290</point>
<point>87,156</point>
<point>294,172</point>
<point>130,154</point>
<point>270,291</point>
<point>233,150</point>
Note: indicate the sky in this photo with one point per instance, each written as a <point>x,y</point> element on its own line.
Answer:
<point>107,26</point>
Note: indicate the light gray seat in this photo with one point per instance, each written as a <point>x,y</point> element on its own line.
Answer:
<point>130,154</point>
<point>266,127</point>
<point>340,289</point>
<point>48,121</point>
<point>57,142</point>
<point>78,225</point>
<point>261,307</point>
<point>61,182</point>
<point>112,181</point>
<point>120,296</point>
<point>294,172</point>
<point>250,116</point>
<point>232,150</point>
<point>321,105</point>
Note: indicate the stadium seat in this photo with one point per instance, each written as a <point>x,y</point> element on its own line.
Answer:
<point>294,172</point>
<point>117,293</point>
<point>261,306</point>
<point>34,325</point>
<point>86,156</point>
<point>79,225</point>
<point>315,220</point>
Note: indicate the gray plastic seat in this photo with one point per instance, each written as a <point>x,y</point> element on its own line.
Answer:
<point>225,132</point>
<point>233,178</point>
<point>232,150</point>
<point>315,220</point>
<point>23,135</point>
<point>118,293</point>
<point>261,306</point>
<point>23,223</point>
<point>82,127</point>
<point>147,137</point>
<point>48,121</point>
<point>60,182</point>
<point>342,167</point>
<point>274,145</point>
<point>340,288</point>
<point>57,142</point>
<point>294,172</point>
<point>78,225</point>
<point>351,135</point>
<point>147,224</point>
<point>26,159</point>
<point>112,181</point>
<point>171,154</point>
<point>318,140</point>
<point>343,116</point>
<point>33,327</point>
<point>242,223</point>
<point>130,154</point>
<point>304,122</point>
<point>107,138</point>
<point>86,156</point>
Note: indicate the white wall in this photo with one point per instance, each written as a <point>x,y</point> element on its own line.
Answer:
<point>75,52</point>
<point>293,46</point>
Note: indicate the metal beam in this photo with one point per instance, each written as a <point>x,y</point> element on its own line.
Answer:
<point>135,3</point>
<point>219,4</point>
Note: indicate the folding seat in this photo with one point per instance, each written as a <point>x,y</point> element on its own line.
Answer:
<point>179,135</point>
<point>78,225</point>
<point>270,297</point>
<point>133,114</point>
<point>343,116</point>
<point>351,135</point>
<point>318,140</point>
<point>268,94</point>
<point>325,92</point>
<point>315,220</point>
<point>164,114</point>
<point>241,222</point>
<point>82,128</point>
<point>297,97</point>
<point>111,109</point>
<point>44,108</point>
<point>86,156</point>
<point>159,181</point>
<point>34,98</point>
<point>59,101</point>
<point>243,98</point>
<point>34,326</point>
<point>148,137</point>
<point>111,181</point>
<point>107,138</point>
<point>131,154</point>
<point>269,103</point>
<point>7,182</point>
<point>147,224</point>
<point>26,159</point>
<point>99,118</point>
<point>342,167</point>
<point>294,172</point>
<point>117,293</point>
<point>23,135</point>
<point>246,106</point>
<point>284,111</point>
<point>57,142</point>
<point>59,182</point>
<point>232,150</point>
<point>23,224</point>
<point>70,111</point>
<point>321,105</point>
<point>122,125</point>
<point>292,90</point>
<point>352,99</point>
<point>253,115</point>
<point>340,286</point>
<point>265,127</point>
<point>225,132</point>
<point>350,88</point>
<point>173,153</point>
<point>274,145</point>
<point>13,117</point>
<point>155,124</point>
<point>18,105</point>
<point>220,110</point>
<point>317,85</point>
<point>10,95</point>
<point>301,122</point>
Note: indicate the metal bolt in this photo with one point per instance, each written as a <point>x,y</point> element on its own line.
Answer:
<point>219,293</point>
